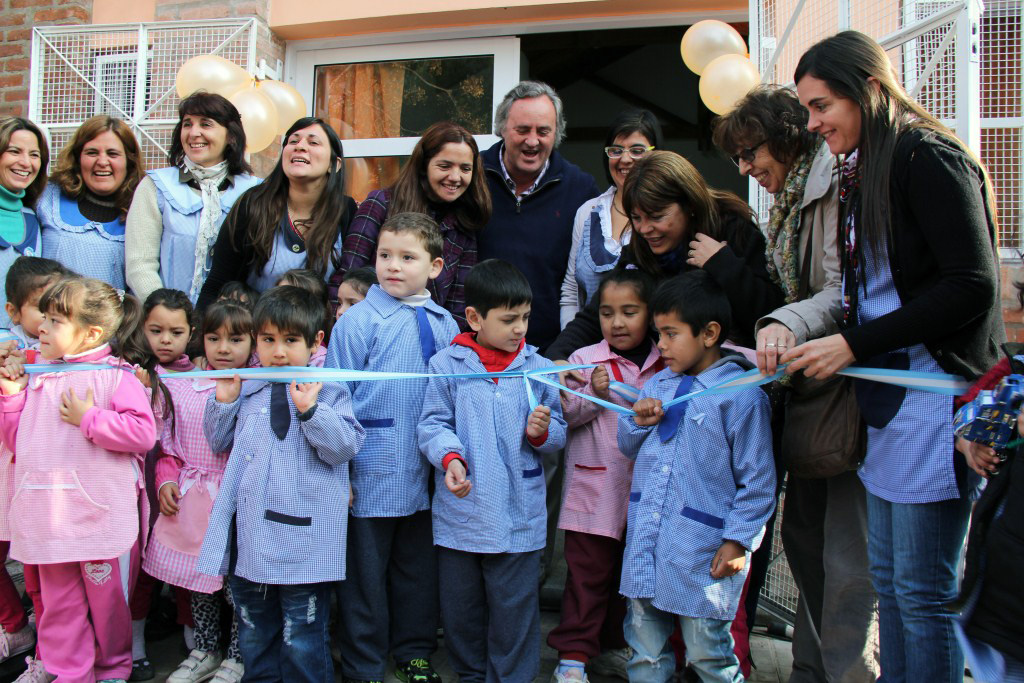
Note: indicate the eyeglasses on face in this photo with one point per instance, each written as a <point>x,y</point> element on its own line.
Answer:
<point>635,152</point>
<point>747,154</point>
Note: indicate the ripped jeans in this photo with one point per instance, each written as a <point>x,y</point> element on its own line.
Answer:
<point>708,646</point>
<point>282,631</point>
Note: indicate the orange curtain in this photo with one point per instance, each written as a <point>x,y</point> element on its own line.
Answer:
<point>363,101</point>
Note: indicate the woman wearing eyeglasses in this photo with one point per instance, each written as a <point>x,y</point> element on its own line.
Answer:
<point>824,525</point>
<point>599,231</point>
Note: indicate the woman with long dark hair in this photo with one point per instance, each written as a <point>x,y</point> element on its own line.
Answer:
<point>296,218</point>
<point>444,179</point>
<point>23,159</point>
<point>921,293</point>
<point>85,205</point>
<point>601,226</point>
<point>178,211</point>
<point>678,224</point>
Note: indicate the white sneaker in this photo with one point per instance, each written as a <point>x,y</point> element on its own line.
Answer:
<point>573,675</point>
<point>230,671</point>
<point>200,666</point>
<point>35,673</point>
<point>14,644</point>
<point>612,663</point>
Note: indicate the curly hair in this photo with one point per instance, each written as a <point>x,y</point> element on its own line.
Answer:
<point>771,114</point>
<point>67,173</point>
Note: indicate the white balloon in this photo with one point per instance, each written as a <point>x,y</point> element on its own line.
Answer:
<point>259,118</point>
<point>707,40</point>
<point>287,100</point>
<point>210,73</point>
<point>725,81</point>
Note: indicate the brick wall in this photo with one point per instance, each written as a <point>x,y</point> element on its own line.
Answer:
<point>17,17</point>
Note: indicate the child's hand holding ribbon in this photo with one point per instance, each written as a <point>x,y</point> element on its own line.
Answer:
<point>228,390</point>
<point>304,395</point>
<point>12,375</point>
<point>599,382</point>
<point>537,423</point>
<point>648,412</point>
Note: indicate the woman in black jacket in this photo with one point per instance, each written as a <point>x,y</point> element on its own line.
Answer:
<point>678,223</point>
<point>917,241</point>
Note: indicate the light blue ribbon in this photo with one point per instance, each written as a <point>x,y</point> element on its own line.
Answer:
<point>938,383</point>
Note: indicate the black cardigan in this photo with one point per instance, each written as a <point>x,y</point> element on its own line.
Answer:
<point>944,261</point>
<point>233,258</point>
<point>741,272</point>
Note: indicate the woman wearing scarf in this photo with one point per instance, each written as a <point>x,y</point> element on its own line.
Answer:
<point>920,293</point>
<point>23,159</point>
<point>177,211</point>
<point>84,207</point>
<point>824,525</point>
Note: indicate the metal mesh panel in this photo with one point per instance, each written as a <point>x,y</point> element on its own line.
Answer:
<point>1002,117</point>
<point>126,71</point>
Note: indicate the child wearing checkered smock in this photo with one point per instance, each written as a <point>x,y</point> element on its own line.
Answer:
<point>485,441</point>
<point>188,477</point>
<point>391,597</point>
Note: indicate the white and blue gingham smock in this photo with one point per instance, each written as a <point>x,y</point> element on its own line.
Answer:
<point>714,480</point>
<point>485,423</point>
<point>910,460</point>
<point>380,334</point>
<point>289,498</point>
<point>89,248</point>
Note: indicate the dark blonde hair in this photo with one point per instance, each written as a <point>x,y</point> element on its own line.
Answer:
<point>411,191</point>
<point>9,125</point>
<point>67,173</point>
<point>88,302</point>
<point>662,178</point>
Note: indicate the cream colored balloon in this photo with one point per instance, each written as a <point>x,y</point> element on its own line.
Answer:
<point>210,73</point>
<point>259,118</point>
<point>725,81</point>
<point>707,40</point>
<point>287,100</point>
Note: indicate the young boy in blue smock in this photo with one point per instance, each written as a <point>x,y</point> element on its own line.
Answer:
<point>485,441</point>
<point>703,488</point>
<point>276,531</point>
<point>390,599</point>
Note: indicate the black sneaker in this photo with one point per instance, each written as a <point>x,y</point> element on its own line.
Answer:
<point>416,671</point>
<point>142,670</point>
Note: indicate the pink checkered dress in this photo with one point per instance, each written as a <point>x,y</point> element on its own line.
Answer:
<point>174,545</point>
<point>597,474</point>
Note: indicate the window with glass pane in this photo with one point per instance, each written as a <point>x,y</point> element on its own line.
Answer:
<point>403,98</point>
<point>363,175</point>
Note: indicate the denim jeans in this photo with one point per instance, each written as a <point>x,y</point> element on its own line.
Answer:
<point>914,552</point>
<point>708,646</point>
<point>282,631</point>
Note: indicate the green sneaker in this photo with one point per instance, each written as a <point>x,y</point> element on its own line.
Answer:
<point>416,671</point>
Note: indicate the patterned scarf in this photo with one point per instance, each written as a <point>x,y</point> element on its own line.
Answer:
<point>784,227</point>
<point>209,179</point>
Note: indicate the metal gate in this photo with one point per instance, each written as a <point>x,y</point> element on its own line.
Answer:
<point>961,63</point>
<point>126,71</point>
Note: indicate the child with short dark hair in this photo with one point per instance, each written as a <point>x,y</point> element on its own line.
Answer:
<point>286,477</point>
<point>597,479</point>
<point>706,466</point>
<point>485,440</point>
<point>354,286</point>
<point>391,595</point>
<point>239,291</point>
<point>27,279</point>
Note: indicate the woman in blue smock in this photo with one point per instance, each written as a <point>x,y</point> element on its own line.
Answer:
<point>917,245</point>
<point>297,218</point>
<point>23,158</point>
<point>600,229</point>
<point>83,209</point>
<point>178,211</point>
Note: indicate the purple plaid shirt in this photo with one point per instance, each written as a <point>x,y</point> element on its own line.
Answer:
<point>459,254</point>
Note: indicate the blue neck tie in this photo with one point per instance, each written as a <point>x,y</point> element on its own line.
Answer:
<point>670,422</point>
<point>280,413</point>
<point>426,334</point>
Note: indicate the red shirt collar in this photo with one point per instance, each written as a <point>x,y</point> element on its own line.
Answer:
<point>494,360</point>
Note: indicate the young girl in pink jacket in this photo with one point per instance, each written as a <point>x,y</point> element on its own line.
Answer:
<point>597,481</point>
<point>78,439</point>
